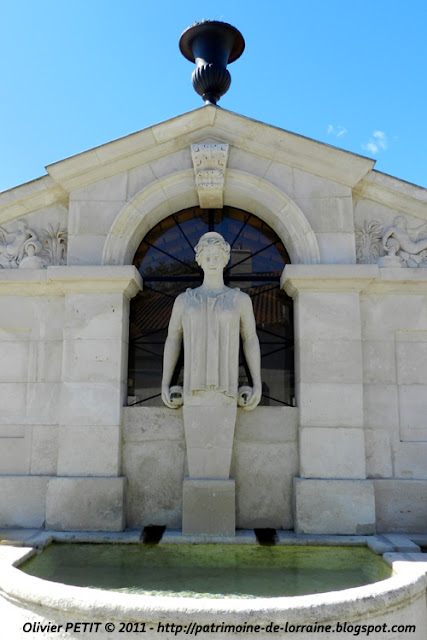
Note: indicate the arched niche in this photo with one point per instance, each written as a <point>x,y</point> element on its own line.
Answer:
<point>242,190</point>
<point>165,259</point>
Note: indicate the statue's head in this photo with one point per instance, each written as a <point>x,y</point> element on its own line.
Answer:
<point>212,239</point>
<point>32,247</point>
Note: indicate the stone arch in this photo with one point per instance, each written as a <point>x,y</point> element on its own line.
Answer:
<point>242,190</point>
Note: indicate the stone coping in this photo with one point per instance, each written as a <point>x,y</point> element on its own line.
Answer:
<point>379,544</point>
<point>407,585</point>
<point>59,281</point>
<point>367,278</point>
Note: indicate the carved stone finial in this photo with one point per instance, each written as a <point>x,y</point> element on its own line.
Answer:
<point>211,45</point>
<point>210,162</point>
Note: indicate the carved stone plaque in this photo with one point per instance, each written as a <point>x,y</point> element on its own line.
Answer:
<point>210,161</point>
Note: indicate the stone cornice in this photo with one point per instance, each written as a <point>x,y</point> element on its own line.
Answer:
<point>59,281</point>
<point>401,281</point>
<point>327,277</point>
<point>291,149</point>
<point>396,194</point>
<point>133,150</point>
<point>367,279</point>
<point>30,197</point>
<point>198,126</point>
<point>206,123</point>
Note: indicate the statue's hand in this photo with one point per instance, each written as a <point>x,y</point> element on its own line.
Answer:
<point>249,397</point>
<point>172,396</point>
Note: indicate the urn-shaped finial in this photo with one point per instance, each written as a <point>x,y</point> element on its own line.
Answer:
<point>211,45</point>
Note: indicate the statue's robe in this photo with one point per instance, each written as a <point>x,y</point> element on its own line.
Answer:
<point>211,328</point>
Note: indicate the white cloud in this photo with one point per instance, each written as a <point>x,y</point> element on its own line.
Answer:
<point>377,142</point>
<point>371,146</point>
<point>336,131</point>
<point>381,138</point>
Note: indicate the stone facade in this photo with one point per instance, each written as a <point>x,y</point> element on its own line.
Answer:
<point>350,458</point>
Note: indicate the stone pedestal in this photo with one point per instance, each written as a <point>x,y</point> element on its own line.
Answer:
<point>208,507</point>
<point>209,433</point>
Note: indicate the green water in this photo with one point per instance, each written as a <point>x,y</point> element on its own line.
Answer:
<point>215,571</point>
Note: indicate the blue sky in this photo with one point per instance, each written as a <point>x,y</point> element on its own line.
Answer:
<point>79,73</point>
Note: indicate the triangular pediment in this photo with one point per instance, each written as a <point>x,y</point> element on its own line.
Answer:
<point>210,123</point>
<point>258,141</point>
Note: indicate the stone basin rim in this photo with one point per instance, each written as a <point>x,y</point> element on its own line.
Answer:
<point>406,585</point>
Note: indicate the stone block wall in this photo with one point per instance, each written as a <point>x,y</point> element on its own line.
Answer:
<point>63,347</point>
<point>265,461</point>
<point>31,357</point>
<point>395,391</point>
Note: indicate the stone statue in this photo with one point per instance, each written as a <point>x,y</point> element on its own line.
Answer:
<point>409,240</point>
<point>403,246</point>
<point>210,319</point>
<point>13,244</point>
<point>31,260</point>
<point>392,246</point>
<point>28,249</point>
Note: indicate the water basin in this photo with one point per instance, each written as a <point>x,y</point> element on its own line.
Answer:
<point>209,571</point>
<point>199,606</point>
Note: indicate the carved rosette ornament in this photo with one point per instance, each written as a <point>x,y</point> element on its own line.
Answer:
<point>210,162</point>
<point>394,245</point>
<point>24,248</point>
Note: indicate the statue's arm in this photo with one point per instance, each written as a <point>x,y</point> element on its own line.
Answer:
<point>251,350</point>
<point>419,232</point>
<point>172,350</point>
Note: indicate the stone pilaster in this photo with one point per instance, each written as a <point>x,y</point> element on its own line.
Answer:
<point>94,372</point>
<point>329,390</point>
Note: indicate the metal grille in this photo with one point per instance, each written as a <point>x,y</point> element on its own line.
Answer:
<point>165,259</point>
